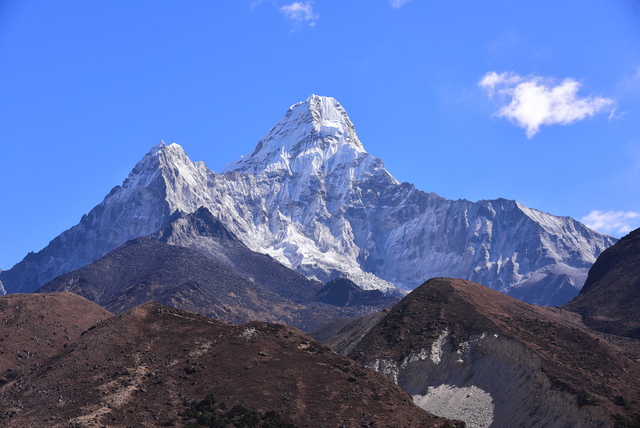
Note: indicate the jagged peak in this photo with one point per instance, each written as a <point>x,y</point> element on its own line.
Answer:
<point>158,147</point>
<point>166,149</point>
<point>319,124</point>
<point>168,161</point>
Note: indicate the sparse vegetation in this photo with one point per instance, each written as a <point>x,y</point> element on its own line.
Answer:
<point>213,413</point>
<point>621,401</point>
<point>585,399</point>
<point>621,421</point>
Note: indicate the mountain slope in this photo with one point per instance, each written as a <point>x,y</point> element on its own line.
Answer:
<point>610,298</point>
<point>467,352</point>
<point>203,232</point>
<point>143,269</point>
<point>37,326</point>
<point>139,368</point>
<point>312,198</point>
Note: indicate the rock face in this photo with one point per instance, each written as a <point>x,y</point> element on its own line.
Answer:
<point>467,352</point>
<point>138,368</point>
<point>610,298</point>
<point>311,197</point>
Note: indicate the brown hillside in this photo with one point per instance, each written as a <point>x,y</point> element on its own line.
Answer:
<point>137,368</point>
<point>36,326</point>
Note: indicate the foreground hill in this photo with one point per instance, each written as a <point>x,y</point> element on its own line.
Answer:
<point>138,368</point>
<point>610,298</point>
<point>468,352</point>
<point>36,326</point>
<point>144,269</point>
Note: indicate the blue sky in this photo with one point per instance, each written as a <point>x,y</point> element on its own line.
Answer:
<point>537,101</point>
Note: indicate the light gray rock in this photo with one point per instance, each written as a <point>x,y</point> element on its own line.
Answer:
<point>487,381</point>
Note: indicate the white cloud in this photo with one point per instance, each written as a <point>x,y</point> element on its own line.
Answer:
<point>534,101</point>
<point>397,4</point>
<point>300,12</point>
<point>616,223</point>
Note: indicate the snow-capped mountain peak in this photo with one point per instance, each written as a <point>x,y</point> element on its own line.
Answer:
<point>315,135</point>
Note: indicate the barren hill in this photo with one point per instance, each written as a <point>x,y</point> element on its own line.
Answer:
<point>36,326</point>
<point>144,269</point>
<point>138,368</point>
<point>468,352</point>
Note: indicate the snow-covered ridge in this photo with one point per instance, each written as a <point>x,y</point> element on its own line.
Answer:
<point>314,137</point>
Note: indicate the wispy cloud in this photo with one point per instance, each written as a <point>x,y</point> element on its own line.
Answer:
<point>534,101</point>
<point>397,4</point>
<point>300,13</point>
<point>256,3</point>
<point>616,223</point>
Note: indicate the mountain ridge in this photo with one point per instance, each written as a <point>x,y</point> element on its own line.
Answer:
<point>312,198</point>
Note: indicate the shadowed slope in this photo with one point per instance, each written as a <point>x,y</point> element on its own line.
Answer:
<point>203,232</point>
<point>610,298</point>
<point>144,269</point>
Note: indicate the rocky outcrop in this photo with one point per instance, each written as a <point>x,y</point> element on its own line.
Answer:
<point>487,381</point>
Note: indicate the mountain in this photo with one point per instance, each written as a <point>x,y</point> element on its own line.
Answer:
<point>467,352</point>
<point>145,270</point>
<point>158,366</point>
<point>610,298</point>
<point>312,198</point>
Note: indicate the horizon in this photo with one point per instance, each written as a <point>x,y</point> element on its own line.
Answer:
<point>537,103</point>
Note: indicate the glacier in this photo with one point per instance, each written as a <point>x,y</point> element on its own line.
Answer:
<point>310,196</point>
